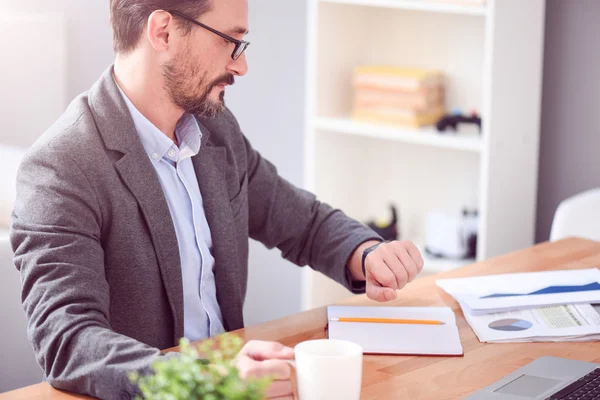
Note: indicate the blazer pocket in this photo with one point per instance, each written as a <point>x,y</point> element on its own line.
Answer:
<point>240,198</point>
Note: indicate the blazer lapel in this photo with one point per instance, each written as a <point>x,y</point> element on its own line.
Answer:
<point>209,165</point>
<point>139,176</point>
<point>118,132</point>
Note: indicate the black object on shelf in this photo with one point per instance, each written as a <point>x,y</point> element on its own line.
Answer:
<point>387,231</point>
<point>452,120</point>
<point>471,235</point>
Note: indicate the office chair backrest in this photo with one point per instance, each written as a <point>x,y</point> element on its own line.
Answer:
<point>578,216</point>
<point>17,362</point>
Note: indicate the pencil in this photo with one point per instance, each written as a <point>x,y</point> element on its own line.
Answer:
<point>388,321</point>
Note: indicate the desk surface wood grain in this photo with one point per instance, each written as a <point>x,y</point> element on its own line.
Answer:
<point>421,377</point>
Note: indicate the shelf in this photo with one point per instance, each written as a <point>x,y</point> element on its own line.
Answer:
<point>426,136</point>
<point>418,5</point>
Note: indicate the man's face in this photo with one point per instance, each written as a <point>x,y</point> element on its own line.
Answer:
<point>196,75</point>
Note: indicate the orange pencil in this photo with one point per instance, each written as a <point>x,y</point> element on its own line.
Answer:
<point>388,321</point>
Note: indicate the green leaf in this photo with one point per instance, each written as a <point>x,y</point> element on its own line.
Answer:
<point>211,377</point>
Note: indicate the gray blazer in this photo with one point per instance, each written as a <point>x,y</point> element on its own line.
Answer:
<point>96,247</point>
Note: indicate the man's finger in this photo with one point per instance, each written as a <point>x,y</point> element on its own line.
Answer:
<point>395,265</point>
<point>409,265</point>
<point>378,293</point>
<point>379,271</point>
<point>274,369</point>
<point>280,389</point>
<point>260,350</point>
<point>415,254</point>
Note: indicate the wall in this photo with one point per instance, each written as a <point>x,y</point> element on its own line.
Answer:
<point>88,32</point>
<point>269,104</point>
<point>570,131</point>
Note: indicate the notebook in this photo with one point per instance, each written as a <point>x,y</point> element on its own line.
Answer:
<point>397,338</point>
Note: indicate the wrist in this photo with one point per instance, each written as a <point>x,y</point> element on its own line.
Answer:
<point>366,252</point>
<point>355,264</point>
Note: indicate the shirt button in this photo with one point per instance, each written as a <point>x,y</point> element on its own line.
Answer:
<point>155,156</point>
<point>172,153</point>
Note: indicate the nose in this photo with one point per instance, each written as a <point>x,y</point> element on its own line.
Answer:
<point>238,67</point>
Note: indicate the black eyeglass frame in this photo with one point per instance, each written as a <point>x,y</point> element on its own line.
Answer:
<point>240,45</point>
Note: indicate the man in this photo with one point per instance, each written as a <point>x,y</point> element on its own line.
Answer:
<point>134,209</point>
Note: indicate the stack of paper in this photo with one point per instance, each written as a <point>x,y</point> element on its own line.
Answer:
<point>530,307</point>
<point>564,323</point>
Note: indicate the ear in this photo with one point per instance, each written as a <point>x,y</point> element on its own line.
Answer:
<point>160,27</point>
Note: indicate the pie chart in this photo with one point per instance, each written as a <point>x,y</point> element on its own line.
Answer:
<point>510,324</point>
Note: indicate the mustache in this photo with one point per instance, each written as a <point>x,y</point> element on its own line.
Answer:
<point>227,79</point>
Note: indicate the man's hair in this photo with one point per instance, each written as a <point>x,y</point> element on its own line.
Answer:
<point>129,17</point>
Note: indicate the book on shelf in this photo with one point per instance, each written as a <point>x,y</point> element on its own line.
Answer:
<point>407,97</point>
<point>418,99</point>
<point>396,78</point>
<point>399,117</point>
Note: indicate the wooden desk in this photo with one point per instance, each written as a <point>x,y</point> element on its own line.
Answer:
<point>394,377</point>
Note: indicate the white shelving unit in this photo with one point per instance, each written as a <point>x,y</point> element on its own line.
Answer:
<point>492,57</point>
<point>425,136</point>
<point>419,5</point>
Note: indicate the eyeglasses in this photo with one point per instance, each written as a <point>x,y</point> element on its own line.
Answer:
<point>240,45</point>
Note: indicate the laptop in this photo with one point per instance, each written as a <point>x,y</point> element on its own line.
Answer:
<point>546,378</point>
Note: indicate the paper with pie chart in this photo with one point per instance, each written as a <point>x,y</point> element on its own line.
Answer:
<point>571,322</point>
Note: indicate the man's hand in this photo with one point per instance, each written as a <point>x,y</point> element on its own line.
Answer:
<point>388,268</point>
<point>259,359</point>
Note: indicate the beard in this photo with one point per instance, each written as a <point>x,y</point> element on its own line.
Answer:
<point>189,88</point>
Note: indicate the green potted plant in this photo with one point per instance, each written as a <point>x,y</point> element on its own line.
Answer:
<point>207,372</point>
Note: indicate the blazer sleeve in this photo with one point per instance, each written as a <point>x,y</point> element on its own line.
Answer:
<point>55,235</point>
<point>307,231</point>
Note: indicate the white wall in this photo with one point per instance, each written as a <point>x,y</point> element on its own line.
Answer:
<point>89,39</point>
<point>269,104</point>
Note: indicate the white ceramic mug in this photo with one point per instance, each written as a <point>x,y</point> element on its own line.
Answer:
<point>328,370</point>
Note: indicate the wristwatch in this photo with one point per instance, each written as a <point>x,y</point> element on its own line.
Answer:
<point>366,253</point>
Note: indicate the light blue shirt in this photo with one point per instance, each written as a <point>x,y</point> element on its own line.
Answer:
<point>201,313</point>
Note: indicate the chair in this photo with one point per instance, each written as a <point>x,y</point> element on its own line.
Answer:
<point>17,362</point>
<point>578,216</point>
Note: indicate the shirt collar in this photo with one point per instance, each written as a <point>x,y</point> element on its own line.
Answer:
<point>189,136</point>
<point>157,144</point>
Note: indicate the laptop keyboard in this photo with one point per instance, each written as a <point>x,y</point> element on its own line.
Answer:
<point>587,388</point>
